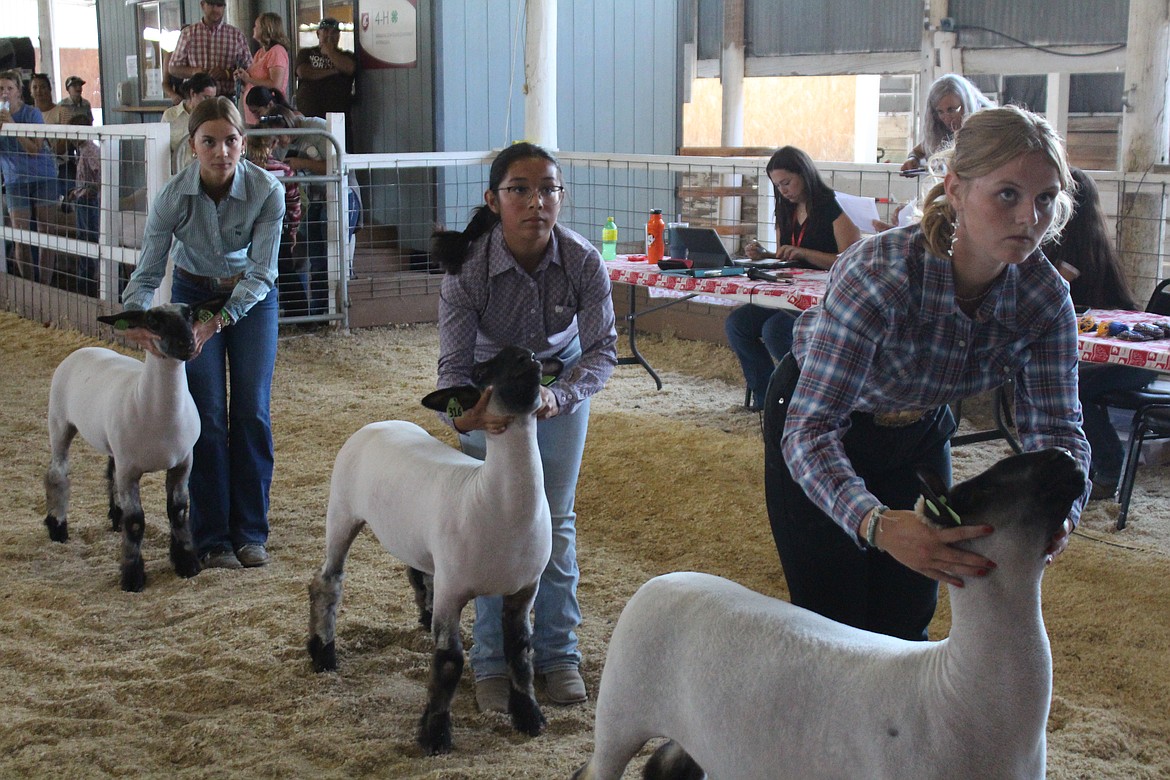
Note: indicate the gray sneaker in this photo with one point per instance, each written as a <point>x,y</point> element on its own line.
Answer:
<point>252,555</point>
<point>220,559</point>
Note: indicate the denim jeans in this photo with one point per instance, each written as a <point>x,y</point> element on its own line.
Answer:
<point>1095,381</point>
<point>234,454</point>
<point>561,441</point>
<point>760,338</point>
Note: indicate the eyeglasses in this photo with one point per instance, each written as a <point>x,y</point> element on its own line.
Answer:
<point>549,192</point>
<point>952,111</point>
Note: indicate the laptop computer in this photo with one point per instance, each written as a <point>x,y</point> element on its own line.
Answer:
<point>706,255</point>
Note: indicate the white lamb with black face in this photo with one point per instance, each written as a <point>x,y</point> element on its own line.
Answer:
<point>750,687</point>
<point>465,527</point>
<point>143,417</point>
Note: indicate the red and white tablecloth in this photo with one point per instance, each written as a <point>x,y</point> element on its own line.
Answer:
<point>1154,355</point>
<point>803,289</point>
<point>806,288</point>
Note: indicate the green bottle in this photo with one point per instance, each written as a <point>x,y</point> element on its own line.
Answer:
<point>609,240</point>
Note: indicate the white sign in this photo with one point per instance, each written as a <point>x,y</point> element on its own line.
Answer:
<point>388,33</point>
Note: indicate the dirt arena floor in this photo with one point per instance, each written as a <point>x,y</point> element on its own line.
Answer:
<point>208,677</point>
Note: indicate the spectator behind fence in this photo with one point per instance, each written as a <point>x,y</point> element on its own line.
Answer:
<point>213,46</point>
<point>952,100</point>
<point>220,222</point>
<point>270,67</point>
<point>306,155</point>
<point>1087,260</point>
<point>325,74</point>
<point>293,264</point>
<point>85,194</point>
<point>53,113</point>
<point>30,179</point>
<point>74,102</point>
<point>915,319</point>
<point>194,91</point>
<point>811,229</point>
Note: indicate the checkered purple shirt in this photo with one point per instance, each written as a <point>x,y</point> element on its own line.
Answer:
<point>493,302</point>
<point>205,46</point>
<point>889,337</point>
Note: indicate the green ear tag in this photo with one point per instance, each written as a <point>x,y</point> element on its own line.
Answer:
<point>546,380</point>
<point>454,408</point>
<point>121,324</point>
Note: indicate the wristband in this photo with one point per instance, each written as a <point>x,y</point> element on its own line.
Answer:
<point>875,519</point>
<point>225,317</point>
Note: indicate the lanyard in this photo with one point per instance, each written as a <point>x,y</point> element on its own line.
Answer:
<point>798,238</point>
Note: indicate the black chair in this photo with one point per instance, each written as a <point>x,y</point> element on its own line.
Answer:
<point>1151,413</point>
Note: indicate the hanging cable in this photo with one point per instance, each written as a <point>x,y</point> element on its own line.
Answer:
<point>1045,49</point>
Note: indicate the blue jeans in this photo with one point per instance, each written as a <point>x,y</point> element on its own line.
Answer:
<point>1096,380</point>
<point>760,338</point>
<point>561,440</point>
<point>234,455</point>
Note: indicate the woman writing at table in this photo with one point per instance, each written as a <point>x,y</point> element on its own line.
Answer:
<point>1085,257</point>
<point>914,319</point>
<point>810,229</point>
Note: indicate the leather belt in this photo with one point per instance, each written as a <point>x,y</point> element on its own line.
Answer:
<point>899,419</point>
<point>217,283</point>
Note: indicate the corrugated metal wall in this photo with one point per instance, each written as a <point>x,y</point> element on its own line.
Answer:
<point>1081,22</point>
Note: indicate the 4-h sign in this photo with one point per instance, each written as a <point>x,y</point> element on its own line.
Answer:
<point>388,34</point>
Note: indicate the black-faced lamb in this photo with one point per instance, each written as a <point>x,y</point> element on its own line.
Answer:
<point>143,417</point>
<point>463,526</point>
<point>747,686</point>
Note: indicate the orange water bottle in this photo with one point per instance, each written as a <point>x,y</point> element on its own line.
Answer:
<point>655,229</point>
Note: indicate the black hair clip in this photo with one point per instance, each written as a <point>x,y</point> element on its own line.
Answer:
<point>934,499</point>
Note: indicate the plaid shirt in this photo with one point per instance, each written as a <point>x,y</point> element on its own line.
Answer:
<point>204,46</point>
<point>889,337</point>
<point>493,302</point>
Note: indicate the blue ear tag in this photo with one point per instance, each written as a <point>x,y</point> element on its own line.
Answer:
<point>454,408</point>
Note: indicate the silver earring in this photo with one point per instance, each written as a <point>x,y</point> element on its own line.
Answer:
<point>954,236</point>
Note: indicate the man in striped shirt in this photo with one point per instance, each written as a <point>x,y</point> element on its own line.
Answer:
<point>212,46</point>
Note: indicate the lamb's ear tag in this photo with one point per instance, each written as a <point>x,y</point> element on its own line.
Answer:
<point>546,380</point>
<point>121,324</point>
<point>454,408</point>
<point>934,502</point>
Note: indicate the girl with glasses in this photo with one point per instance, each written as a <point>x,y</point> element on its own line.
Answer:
<point>516,277</point>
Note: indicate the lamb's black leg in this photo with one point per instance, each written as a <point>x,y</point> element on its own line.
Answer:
<point>133,527</point>
<point>526,714</point>
<point>115,513</point>
<point>423,585</point>
<point>184,557</point>
<point>671,762</point>
<point>434,727</point>
<point>57,482</point>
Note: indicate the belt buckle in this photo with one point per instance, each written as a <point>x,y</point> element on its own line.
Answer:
<point>898,419</point>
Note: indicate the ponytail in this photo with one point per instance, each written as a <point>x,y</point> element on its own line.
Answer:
<point>449,247</point>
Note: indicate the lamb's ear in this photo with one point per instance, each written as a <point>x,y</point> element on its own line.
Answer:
<point>212,306</point>
<point>934,498</point>
<point>125,320</point>
<point>452,401</point>
<point>550,369</point>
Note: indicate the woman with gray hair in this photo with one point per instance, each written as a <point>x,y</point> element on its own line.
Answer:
<point>916,319</point>
<point>951,101</point>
